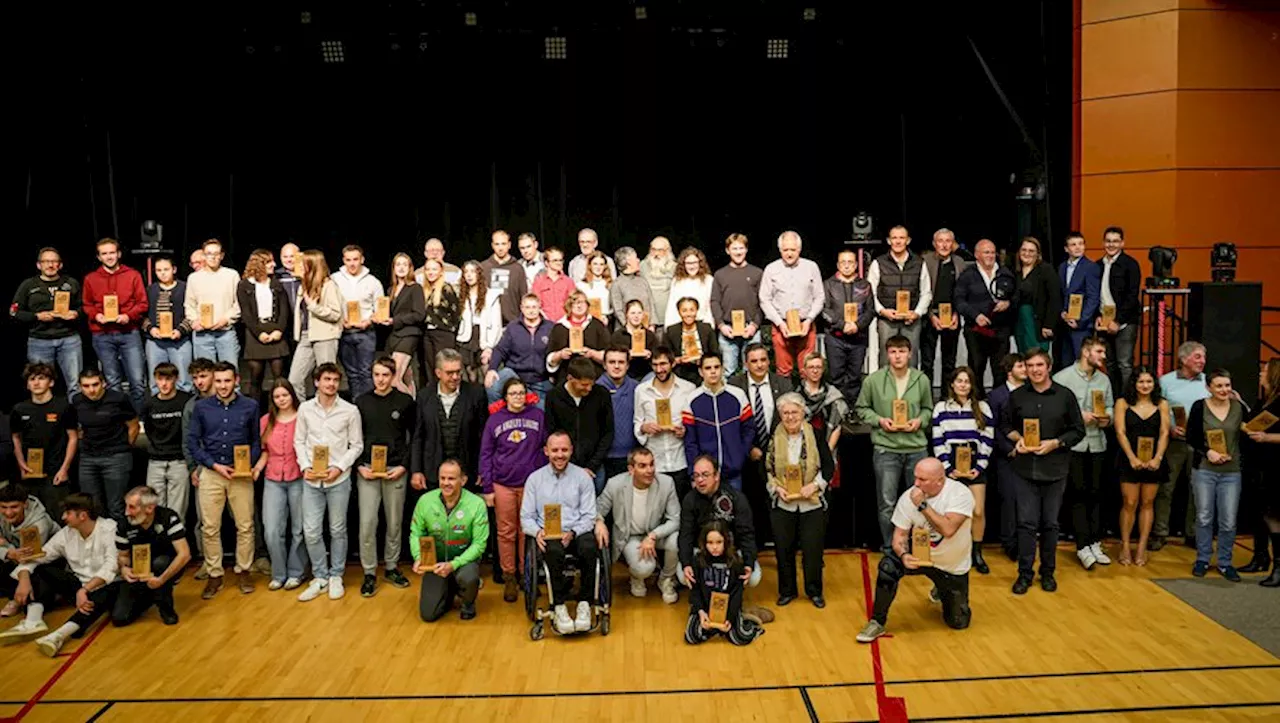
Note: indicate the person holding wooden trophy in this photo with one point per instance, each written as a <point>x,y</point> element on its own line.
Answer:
<point>690,338</point>
<point>165,328</point>
<point>941,330</point>
<point>45,433</point>
<point>1080,280</point>
<point>902,293</point>
<point>716,594</point>
<point>931,537</point>
<point>360,290</point>
<point>791,298</point>
<point>1121,312</point>
<point>635,336</point>
<point>25,525</point>
<point>1214,429</point>
<point>577,334</point>
<point>657,422</point>
<point>1142,431</point>
<point>448,534</point>
<point>153,551</point>
<point>735,303</point>
<point>963,440</point>
<point>115,303</point>
<point>49,303</point>
<point>849,312</point>
<point>1092,388</point>
<point>213,308</point>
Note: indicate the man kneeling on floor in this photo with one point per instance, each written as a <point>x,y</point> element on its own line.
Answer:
<point>453,524</point>
<point>19,512</point>
<point>159,532</point>
<point>571,490</point>
<point>88,544</point>
<point>646,520</point>
<point>944,507</point>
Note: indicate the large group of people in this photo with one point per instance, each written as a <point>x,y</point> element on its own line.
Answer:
<point>649,400</point>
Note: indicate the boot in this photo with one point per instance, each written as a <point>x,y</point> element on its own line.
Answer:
<point>1274,579</point>
<point>979,563</point>
<point>1261,561</point>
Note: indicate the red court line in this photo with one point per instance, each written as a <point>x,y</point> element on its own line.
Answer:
<point>44,689</point>
<point>891,710</point>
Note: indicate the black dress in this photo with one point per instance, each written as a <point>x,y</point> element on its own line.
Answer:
<point>279,320</point>
<point>1135,427</point>
<point>408,309</point>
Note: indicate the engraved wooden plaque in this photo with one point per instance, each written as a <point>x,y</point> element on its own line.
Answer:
<point>378,459</point>
<point>164,320</point>
<point>1099,403</point>
<point>963,459</point>
<point>793,479</point>
<point>899,412</point>
<point>944,314</point>
<point>718,612</point>
<point>141,561</point>
<point>596,307</point>
<point>576,342</point>
<point>1180,417</point>
<point>61,302</point>
<point>382,309</point>
<point>1108,314</point>
<point>353,312</point>
<point>1031,433</point>
<point>689,345</point>
<point>637,342</point>
<point>551,521</point>
<point>35,462</point>
<point>1261,423</point>
<point>903,301</point>
<point>663,410</point>
<point>920,548</point>
<point>29,538</point>
<point>739,317</point>
<point>1075,306</point>
<point>851,312</point>
<point>793,323</point>
<point>110,307</point>
<point>319,461</point>
<point>1217,440</point>
<point>1146,449</point>
<point>206,315</point>
<point>243,468</point>
<point>427,551</point>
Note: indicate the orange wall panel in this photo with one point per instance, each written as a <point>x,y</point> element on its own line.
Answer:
<point>1094,11</point>
<point>1236,49</point>
<point>1242,207</point>
<point>1227,129</point>
<point>1140,202</point>
<point>1136,55</point>
<point>1129,133</point>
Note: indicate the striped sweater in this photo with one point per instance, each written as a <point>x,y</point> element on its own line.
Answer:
<point>953,424</point>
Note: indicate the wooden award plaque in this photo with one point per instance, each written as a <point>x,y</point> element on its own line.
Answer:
<point>793,479</point>
<point>1260,423</point>
<point>851,312</point>
<point>1075,306</point>
<point>319,462</point>
<point>637,342</point>
<point>1146,449</point>
<point>793,323</point>
<point>141,561</point>
<point>29,538</point>
<point>164,320</point>
<point>718,612</point>
<point>61,302</point>
<point>382,309</point>
<point>353,312</point>
<point>576,341</point>
<point>739,317</point>
<point>920,548</point>
<point>596,308</point>
<point>944,314</point>
<point>206,315</point>
<point>689,345</point>
<point>110,307</point>
<point>551,521</point>
<point>1217,440</point>
<point>35,463</point>
<point>1108,314</point>
<point>243,465</point>
<point>1031,433</point>
<point>427,551</point>
<point>902,301</point>
<point>1180,417</point>
<point>662,408</point>
<point>900,413</point>
<point>1099,403</point>
<point>378,460</point>
<point>963,459</point>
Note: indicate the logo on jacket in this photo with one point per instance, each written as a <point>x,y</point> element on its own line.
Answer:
<point>395,414</point>
<point>458,514</point>
<point>724,508</point>
<point>516,437</point>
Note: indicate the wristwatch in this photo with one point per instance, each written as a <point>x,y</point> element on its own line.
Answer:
<point>924,504</point>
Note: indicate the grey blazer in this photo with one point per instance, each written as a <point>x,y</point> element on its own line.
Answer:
<point>662,517</point>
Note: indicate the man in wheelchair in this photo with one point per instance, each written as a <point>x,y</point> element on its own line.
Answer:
<point>565,490</point>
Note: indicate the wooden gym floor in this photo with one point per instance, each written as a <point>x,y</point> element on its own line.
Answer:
<point>1109,645</point>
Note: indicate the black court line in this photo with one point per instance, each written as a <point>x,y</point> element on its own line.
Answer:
<point>101,712</point>
<point>1099,711</point>
<point>677,691</point>
<point>808,705</point>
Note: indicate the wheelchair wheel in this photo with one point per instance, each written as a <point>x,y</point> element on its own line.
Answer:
<point>536,632</point>
<point>604,624</point>
<point>604,577</point>
<point>530,581</point>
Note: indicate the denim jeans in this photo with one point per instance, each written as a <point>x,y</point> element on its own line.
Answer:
<point>892,470</point>
<point>171,482</point>
<point>218,346</point>
<point>315,502</point>
<point>355,350</point>
<point>177,353</point>
<point>494,393</point>
<point>67,354</point>
<point>1216,492</point>
<point>731,350</point>
<point>121,355</point>
<point>281,508</point>
<point>106,479</point>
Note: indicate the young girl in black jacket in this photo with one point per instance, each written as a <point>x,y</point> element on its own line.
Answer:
<point>718,567</point>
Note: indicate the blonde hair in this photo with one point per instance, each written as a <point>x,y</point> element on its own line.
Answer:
<point>432,293</point>
<point>1034,242</point>
<point>590,276</point>
<point>315,272</point>
<point>396,283</point>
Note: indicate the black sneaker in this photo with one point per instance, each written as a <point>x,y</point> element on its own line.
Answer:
<point>468,611</point>
<point>396,578</point>
<point>1021,585</point>
<point>367,587</point>
<point>168,616</point>
<point>498,579</point>
<point>1229,573</point>
<point>1048,583</point>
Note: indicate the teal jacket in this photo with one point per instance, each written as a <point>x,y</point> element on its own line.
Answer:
<point>461,534</point>
<point>876,400</point>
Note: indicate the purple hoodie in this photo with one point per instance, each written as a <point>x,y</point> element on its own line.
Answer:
<point>512,446</point>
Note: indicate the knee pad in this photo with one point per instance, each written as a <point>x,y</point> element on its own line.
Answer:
<point>892,567</point>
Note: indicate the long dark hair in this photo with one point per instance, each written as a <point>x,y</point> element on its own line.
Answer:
<point>730,552</point>
<point>975,394</point>
<point>273,410</point>
<point>1131,389</point>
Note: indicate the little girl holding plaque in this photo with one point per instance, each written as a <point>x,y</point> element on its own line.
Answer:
<point>715,600</point>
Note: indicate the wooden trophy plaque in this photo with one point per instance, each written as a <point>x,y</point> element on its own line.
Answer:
<point>1260,423</point>
<point>851,312</point>
<point>164,320</point>
<point>739,317</point>
<point>718,612</point>
<point>29,539</point>
<point>353,312</point>
<point>638,342</point>
<point>35,463</point>
<point>596,308</point>
<point>902,301</point>
<point>382,309</point>
<point>61,302</point>
<point>662,409</point>
<point>1031,433</point>
<point>378,460</point>
<point>944,315</point>
<point>900,413</point>
<point>689,345</point>
<point>243,465</point>
<point>110,307</point>
<point>1099,403</point>
<point>206,315</point>
<point>1075,306</point>
<point>963,459</point>
<point>577,344</point>
<point>1217,440</point>
<point>1108,314</point>
<point>793,479</point>
<point>427,550</point>
<point>319,462</point>
<point>793,323</point>
<point>1146,449</point>
<point>141,561</point>
<point>551,521</point>
<point>1180,417</point>
<point>920,548</point>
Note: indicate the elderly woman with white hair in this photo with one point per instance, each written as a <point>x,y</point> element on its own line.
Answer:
<point>799,467</point>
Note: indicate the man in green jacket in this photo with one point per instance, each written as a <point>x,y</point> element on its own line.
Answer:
<point>895,448</point>
<point>453,524</point>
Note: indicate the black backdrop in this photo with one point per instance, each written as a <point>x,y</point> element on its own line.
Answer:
<point>223,120</point>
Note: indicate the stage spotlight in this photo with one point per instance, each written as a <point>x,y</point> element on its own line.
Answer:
<point>306,17</point>
<point>642,12</point>
<point>1223,262</point>
<point>470,20</point>
<point>777,48</point>
<point>555,48</point>
<point>862,227</point>
<point>1162,258</point>
<point>332,51</point>
<point>810,13</point>
<point>152,234</point>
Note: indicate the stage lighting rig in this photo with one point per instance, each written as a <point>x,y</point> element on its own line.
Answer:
<point>862,228</point>
<point>1162,259</point>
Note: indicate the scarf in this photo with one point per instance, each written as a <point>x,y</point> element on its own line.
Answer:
<point>815,407</point>
<point>778,459</point>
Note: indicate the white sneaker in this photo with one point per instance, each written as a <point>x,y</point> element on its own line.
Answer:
<point>313,590</point>
<point>23,632</point>
<point>582,623</point>
<point>668,587</point>
<point>275,585</point>
<point>292,583</point>
<point>564,624</point>
<point>1087,558</point>
<point>50,644</point>
<point>1100,554</point>
<point>638,588</point>
<point>336,591</point>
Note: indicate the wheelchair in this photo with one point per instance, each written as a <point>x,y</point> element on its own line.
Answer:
<point>536,573</point>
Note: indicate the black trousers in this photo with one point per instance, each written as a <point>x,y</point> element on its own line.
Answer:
<point>433,340</point>
<point>844,362</point>
<point>753,486</point>
<point>1038,506</point>
<point>929,337</point>
<point>986,349</point>
<point>953,589</point>
<point>135,597</point>
<point>437,593</point>
<point>49,582</point>
<point>1007,482</point>
<point>8,586</point>
<point>683,482</point>
<point>1086,497</point>
<point>614,466</point>
<point>584,548</point>
<point>808,531</point>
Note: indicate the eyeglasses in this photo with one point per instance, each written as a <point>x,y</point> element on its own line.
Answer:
<point>703,475</point>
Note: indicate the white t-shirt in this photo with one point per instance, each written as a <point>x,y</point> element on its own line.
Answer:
<point>950,554</point>
<point>639,510</point>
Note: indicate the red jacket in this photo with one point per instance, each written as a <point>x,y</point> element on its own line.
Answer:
<point>126,284</point>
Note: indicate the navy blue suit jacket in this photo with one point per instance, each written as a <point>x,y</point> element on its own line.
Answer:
<point>1087,280</point>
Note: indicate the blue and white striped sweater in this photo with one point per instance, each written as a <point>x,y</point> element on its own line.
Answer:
<point>954,424</point>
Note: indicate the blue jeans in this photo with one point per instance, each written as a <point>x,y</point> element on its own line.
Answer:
<point>107,479</point>
<point>494,393</point>
<point>177,353</point>
<point>121,355</point>
<point>218,346</point>
<point>315,502</point>
<point>893,470</point>
<point>1216,492</point>
<point>66,354</point>
<point>281,508</point>
<point>731,350</point>
<point>355,351</point>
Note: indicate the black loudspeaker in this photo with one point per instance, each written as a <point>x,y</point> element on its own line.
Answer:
<point>1227,319</point>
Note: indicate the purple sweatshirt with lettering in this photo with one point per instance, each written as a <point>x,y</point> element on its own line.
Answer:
<point>512,446</point>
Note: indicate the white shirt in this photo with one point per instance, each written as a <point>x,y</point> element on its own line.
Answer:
<point>88,557</point>
<point>447,400</point>
<point>926,286</point>
<point>766,398</point>
<point>699,289</point>
<point>950,554</point>
<point>337,428</point>
<point>668,450</point>
<point>364,288</point>
<point>1107,298</point>
<point>988,279</point>
<point>262,294</point>
<point>598,289</point>
<point>639,508</point>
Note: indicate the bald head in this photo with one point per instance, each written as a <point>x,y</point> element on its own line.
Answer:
<point>985,253</point>
<point>930,476</point>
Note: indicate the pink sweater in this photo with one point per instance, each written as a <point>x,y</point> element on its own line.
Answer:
<point>282,461</point>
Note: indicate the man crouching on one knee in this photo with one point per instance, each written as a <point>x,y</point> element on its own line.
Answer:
<point>943,507</point>
<point>167,554</point>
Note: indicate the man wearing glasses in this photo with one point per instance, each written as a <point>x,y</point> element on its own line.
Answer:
<point>53,337</point>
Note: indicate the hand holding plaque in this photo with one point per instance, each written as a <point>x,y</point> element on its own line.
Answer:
<point>35,463</point>
<point>61,303</point>
<point>319,469</point>
<point>851,312</point>
<point>1261,423</point>
<point>793,480</point>
<point>382,309</point>
<point>243,467</point>
<point>662,410</point>
<point>1099,400</point>
<point>141,559</point>
<point>963,460</point>
<point>110,307</point>
<point>739,317</point>
<point>206,316</point>
<point>900,414</point>
<point>638,342</point>
<point>378,461</point>
<point>577,343</point>
<point>29,539</point>
<point>1108,316</point>
<point>718,611</point>
<point>164,320</point>
<point>551,528</point>
<point>353,313</point>
<point>427,552</point>
<point>1217,440</point>
<point>1075,307</point>
<point>1146,449</point>
<point>1031,433</point>
<point>945,316</point>
<point>794,327</point>
<point>920,548</point>
<point>902,303</point>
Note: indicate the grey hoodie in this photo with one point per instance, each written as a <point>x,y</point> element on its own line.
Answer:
<point>36,517</point>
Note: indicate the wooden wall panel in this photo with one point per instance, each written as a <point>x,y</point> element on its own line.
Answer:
<point>1096,11</point>
<point>1110,140</point>
<point>1242,207</point>
<point>1140,202</point>
<point>1237,49</point>
<point>1136,55</point>
<point>1227,129</point>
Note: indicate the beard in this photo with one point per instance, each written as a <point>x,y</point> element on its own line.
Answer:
<point>665,266</point>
